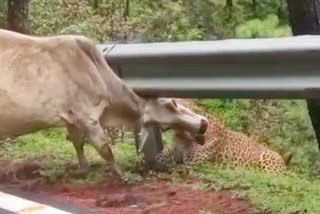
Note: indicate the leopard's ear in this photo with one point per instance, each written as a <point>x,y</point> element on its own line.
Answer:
<point>287,157</point>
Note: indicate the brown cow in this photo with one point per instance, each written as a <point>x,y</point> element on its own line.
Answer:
<point>64,81</point>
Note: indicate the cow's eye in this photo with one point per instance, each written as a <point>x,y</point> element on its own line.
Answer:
<point>175,103</point>
<point>171,107</point>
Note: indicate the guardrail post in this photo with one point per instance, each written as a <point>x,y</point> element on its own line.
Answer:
<point>152,144</point>
<point>152,140</point>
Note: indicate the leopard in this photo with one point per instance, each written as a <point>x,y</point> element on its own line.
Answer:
<point>222,145</point>
<point>115,134</point>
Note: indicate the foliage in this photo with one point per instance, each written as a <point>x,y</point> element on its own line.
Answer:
<point>3,13</point>
<point>163,20</point>
<point>268,27</point>
<point>226,110</point>
<point>60,17</point>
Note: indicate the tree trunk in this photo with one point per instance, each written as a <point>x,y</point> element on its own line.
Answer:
<point>229,4</point>
<point>95,4</point>
<point>304,18</point>
<point>18,16</point>
<point>254,7</point>
<point>126,10</point>
<point>229,9</point>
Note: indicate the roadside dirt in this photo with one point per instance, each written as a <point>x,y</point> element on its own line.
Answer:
<point>112,197</point>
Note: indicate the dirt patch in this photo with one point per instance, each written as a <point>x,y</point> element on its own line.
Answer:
<point>111,197</point>
<point>25,170</point>
<point>147,198</point>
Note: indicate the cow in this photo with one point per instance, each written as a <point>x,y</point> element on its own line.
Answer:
<point>64,81</point>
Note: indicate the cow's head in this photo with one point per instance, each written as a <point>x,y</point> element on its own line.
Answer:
<point>171,114</point>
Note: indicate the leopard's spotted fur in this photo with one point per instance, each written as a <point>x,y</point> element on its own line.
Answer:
<point>115,134</point>
<point>221,146</point>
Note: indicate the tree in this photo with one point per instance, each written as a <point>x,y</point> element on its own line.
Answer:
<point>18,15</point>
<point>304,16</point>
<point>126,12</point>
<point>229,4</point>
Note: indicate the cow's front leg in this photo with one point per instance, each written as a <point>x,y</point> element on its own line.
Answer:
<point>77,139</point>
<point>99,141</point>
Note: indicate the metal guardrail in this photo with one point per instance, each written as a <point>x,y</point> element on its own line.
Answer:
<point>283,68</point>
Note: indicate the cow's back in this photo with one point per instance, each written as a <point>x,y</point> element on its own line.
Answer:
<point>42,79</point>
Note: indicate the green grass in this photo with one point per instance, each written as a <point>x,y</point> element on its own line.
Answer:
<point>58,156</point>
<point>285,194</point>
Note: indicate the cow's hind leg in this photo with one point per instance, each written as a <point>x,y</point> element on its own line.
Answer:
<point>77,139</point>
